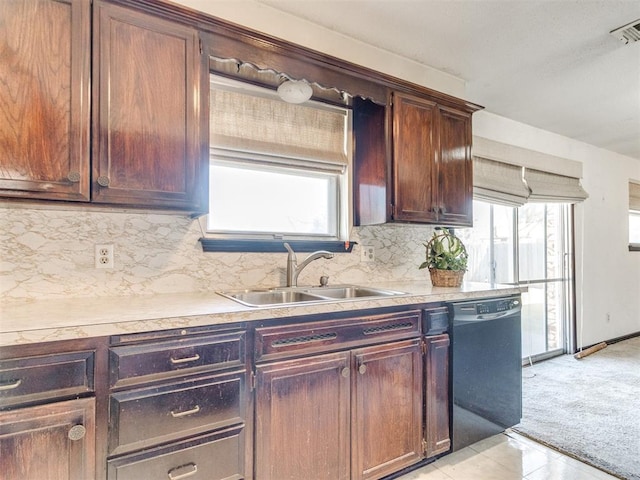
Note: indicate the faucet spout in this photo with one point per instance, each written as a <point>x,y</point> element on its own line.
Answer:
<point>293,269</point>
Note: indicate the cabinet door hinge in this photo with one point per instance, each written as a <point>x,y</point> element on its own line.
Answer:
<point>252,380</point>
<point>200,44</point>
<point>424,447</point>
<point>393,210</point>
<point>424,347</point>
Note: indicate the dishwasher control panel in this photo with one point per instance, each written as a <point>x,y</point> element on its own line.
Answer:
<point>490,306</point>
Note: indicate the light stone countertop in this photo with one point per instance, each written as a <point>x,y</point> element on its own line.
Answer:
<point>69,318</point>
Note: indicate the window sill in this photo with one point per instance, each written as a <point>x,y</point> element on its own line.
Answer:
<point>274,246</point>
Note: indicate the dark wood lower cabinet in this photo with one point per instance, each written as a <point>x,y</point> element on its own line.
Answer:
<point>53,442</point>
<point>355,414</point>
<point>437,438</point>
<point>302,419</point>
<point>386,409</point>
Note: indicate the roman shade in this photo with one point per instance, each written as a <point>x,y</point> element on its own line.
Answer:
<point>634,196</point>
<point>256,124</point>
<point>498,182</point>
<point>548,187</point>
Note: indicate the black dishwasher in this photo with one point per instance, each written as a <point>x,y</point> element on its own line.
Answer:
<point>487,368</point>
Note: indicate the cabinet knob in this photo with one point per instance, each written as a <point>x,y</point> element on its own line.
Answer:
<point>362,369</point>
<point>77,432</point>
<point>345,372</point>
<point>103,181</point>
<point>73,177</point>
<point>443,210</point>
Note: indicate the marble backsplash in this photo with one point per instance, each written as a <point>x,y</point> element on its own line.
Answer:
<point>47,253</point>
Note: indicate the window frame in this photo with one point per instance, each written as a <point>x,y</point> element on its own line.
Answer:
<point>633,246</point>
<point>213,240</point>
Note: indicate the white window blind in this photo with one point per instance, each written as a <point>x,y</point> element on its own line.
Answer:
<point>549,187</point>
<point>634,196</point>
<point>242,121</point>
<point>499,183</point>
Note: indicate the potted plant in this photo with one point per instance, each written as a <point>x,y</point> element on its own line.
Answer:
<point>446,259</point>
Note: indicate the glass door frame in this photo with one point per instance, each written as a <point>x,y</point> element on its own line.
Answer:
<point>567,279</point>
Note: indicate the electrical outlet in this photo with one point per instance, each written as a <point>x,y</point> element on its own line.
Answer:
<point>104,256</point>
<point>367,253</point>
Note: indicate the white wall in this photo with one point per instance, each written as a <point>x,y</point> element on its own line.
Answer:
<point>278,24</point>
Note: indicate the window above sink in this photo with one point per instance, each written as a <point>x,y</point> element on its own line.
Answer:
<point>277,170</point>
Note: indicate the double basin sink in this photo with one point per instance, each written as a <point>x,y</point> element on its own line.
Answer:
<point>296,295</point>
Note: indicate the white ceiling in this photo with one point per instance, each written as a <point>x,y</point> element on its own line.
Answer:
<point>551,64</point>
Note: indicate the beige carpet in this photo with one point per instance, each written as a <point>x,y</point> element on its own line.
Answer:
<point>588,408</point>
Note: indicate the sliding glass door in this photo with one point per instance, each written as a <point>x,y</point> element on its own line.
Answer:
<point>545,266</point>
<point>530,246</point>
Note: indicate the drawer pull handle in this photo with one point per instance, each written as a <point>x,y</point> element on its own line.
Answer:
<point>195,409</point>
<point>177,361</point>
<point>193,470</point>
<point>10,385</point>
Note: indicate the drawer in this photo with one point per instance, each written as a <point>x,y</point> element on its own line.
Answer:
<point>138,363</point>
<point>212,457</point>
<point>436,320</point>
<point>31,379</point>
<point>144,417</point>
<point>330,335</point>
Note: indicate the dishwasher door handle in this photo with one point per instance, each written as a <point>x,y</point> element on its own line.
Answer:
<point>493,316</point>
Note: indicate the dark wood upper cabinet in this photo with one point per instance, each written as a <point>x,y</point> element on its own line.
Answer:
<point>418,169</point>
<point>44,99</point>
<point>432,167</point>
<point>149,146</point>
<point>415,146</point>
<point>455,168</point>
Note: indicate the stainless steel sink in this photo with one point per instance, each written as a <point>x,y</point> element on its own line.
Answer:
<point>295,295</point>
<point>271,297</point>
<point>353,291</point>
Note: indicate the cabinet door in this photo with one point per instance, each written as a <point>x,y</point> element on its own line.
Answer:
<point>148,148</point>
<point>455,168</point>
<point>55,441</point>
<point>44,99</point>
<point>302,413</point>
<point>437,438</point>
<point>387,409</point>
<point>415,145</point>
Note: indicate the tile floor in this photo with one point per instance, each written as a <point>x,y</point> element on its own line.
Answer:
<point>507,456</point>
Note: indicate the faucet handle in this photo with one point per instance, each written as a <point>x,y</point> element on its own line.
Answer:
<point>324,280</point>
<point>289,249</point>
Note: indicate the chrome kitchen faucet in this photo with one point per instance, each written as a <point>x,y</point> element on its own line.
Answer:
<point>293,269</point>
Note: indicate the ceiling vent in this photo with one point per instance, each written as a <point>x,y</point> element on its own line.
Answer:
<point>629,33</point>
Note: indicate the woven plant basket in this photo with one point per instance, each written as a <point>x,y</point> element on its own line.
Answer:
<point>446,278</point>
